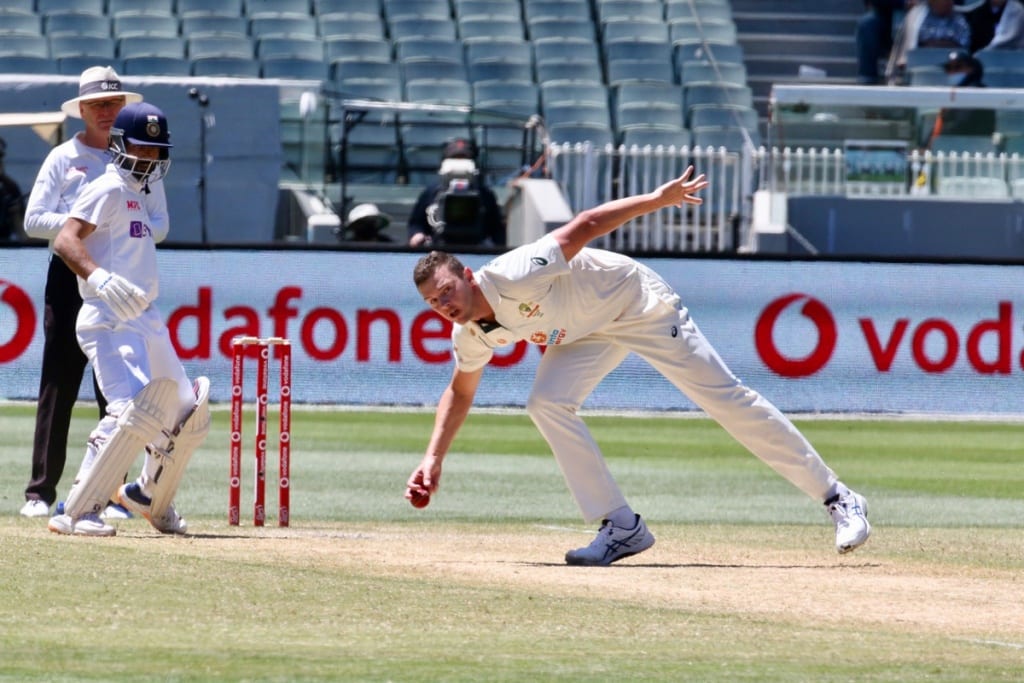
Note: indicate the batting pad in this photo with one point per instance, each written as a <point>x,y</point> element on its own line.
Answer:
<point>152,408</point>
<point>169,463</point>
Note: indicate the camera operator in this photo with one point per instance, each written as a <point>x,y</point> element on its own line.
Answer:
<point>457,209</point>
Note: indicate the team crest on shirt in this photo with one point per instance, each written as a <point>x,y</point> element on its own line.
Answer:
<point>529,309</point>
<point>552,338</point>
<point>139,229</point>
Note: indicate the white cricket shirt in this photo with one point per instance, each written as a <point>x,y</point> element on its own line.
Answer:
<point>538,296</point>
<point>123,240</point>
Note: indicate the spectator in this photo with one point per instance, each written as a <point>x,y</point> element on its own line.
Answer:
<point>12,203</point>
<point>963,71</point>
<point>936,23</point>
<point>996,25</point>
<point>874,36</point>
<point>64,173</point>
<point>459,208</point>
<point>366,223</point>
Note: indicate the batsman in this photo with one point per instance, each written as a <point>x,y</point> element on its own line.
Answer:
<point>109,242</point>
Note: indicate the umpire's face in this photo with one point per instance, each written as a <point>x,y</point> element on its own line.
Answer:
<point>99,114</point>
<point>450,294</point>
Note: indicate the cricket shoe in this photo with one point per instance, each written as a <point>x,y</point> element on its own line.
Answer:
<point>849,512</point>
<point>115,511</point>
<point>86,525</point>
<point>35,508</point>
<point>132,497</point>
<point>612,544</point>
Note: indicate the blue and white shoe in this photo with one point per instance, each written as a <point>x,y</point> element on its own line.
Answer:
<point>115,511</point>
<point>132,497</point>
<point>612,544</point>
<point>849,512</point>
<point>86,525</point>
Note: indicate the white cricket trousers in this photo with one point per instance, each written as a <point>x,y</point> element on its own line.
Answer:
<point>665,336</point>
<point>125,357</point>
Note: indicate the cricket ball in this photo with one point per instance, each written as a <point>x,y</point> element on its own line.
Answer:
<point>420,500</point>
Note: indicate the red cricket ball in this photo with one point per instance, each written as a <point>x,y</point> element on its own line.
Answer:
<point>420,500</point>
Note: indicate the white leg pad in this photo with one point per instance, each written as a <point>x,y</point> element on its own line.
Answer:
<point>151,409</point>
<point>170,462</point>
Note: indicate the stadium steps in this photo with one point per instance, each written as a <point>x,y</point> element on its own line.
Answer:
<point>780,37</point>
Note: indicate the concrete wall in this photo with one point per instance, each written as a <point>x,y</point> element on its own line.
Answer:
<point>242,146</point>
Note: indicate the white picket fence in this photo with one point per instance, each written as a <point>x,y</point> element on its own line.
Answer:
<point>590,175</point>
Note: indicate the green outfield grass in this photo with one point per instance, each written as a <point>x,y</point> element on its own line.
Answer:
<point>743,584</point>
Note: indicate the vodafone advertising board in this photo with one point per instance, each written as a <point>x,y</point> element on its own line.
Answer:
<point>816,337</point>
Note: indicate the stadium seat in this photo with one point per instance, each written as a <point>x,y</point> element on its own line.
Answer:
<point>545,49</point>
<point>723,116</point>
<point>685,9</point>
<point>74,65</point>
<point>151,46</point>
<point>682,30</point>
<point>77,24</point>
<point>926,56</point>
<point>607,10</point>
<point>223,8</point>
<point>438,91</point>
<point>625,70</point>
<point>696,49</point>
<point>557,113</point>
<point>24,6</point>
<point>254,8</point>
<point>634,29</point>
<point>25,64</point>
<point>393,9</point>
<point>579,133</point>
<point>115,7</point>
<point>568,69</point>
<point>417,68</point>
<point>230,45</point>
<point>346,69</point>
<point>94,7</point>
<point>14,22</point>
<point>1000,59</point>
<point>716,93</point>
<point>156,65</point>
<point>561,27</point>
<point>236,67</point>
<point>283,24</point>
<point>655,136</point>
<point>500,69</point>
<point>465,8</point>
<point>335,26</point>
<point>657,50</point>
<point>647,91</point>
<point>408,26</point>
<point>24,45</point>
<point>731,138</point>
<point>553,92</point>
<point>519,98</point>
<point>202,25</point>
<point>555,9</point>
<point>95,47</point>
<point>325,7</point>
<point>357,48</point>
<point>309,48</point>
<point>297,68</point>
<point>515,50</point>
<point>383,89</point>
<point>371,148</point>
<point>437,48</point>
<point>694,71</point>
<point>126,25</point>
<point>640,114</point>
<point>493,27</point>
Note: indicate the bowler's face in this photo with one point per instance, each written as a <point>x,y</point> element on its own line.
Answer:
<point>449,295</point>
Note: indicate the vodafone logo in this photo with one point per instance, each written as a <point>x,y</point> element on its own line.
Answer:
<point>813,310</point>
<point>17,319</point>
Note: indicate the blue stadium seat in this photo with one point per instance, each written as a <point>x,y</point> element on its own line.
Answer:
<point>335,26</point>
<point>126,25</point>
<point>628,9</point>
<point>24,64</point>
<point>76,64</point>
<point>557,113</point>
<point>437,48</point>
<point>254,8</point>
<point>17,22</point>
<point>151,46</point>
<point>297,68</point>
<point>223,8</point>
<point>731,138</point>
<point>283,24</point>
<point>347,69</point>
<point>438,91</point>
<point>705,11</point>
<point>94,47</point>
<point>465,8</point>
<point>491,26</point>
<point>115,7</point>
<point>682,30</point>
<point>568,69</point>
<point>647,91</point>
<point>95,7</point>
<point>77,24</point>
<point>561,27</point>
<point>24,45</point>
<point>416,68</point>
<point>573,133</point>
<point>358,48</point>
<point>634,29</point>
<point>553,92</point>
<point>228,45</point>
<point>500,69</point>
<point>565,48</point>
<point>723,116</point>
<point>201,25</point>
<point>408,26</point>
<point>439,9</point>
<point>155,65</point>
<point>657,50</point>
<point>633,114</point>
<point>384,89</point>
<point>309,48</point>
<point>655,136</point>
<point>694,71</point>
<point>624,70</point>
<point>515,50</point>
<point>237,67</point>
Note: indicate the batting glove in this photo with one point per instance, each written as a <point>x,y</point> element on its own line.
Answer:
<point>125,299</point>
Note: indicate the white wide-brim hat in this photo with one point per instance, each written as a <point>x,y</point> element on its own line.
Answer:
<point>369,213</point>
<point>98,82</point>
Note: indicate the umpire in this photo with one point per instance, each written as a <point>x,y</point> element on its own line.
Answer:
<point>66,170</point>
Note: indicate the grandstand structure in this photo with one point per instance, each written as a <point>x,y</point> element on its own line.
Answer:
<point>604,95</point>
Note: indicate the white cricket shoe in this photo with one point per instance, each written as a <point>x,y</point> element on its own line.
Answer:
<point>612,544</point>
<point>115,511</point>
<point>132,497</point>
<point>86,525</point>
<point>849,512</point>
<point>35,508</point>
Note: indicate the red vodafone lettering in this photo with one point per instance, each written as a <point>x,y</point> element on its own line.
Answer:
<point>24,317</point>
<point>764,339</point>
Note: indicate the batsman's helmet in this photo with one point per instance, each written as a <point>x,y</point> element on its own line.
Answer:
<point>142,124</point>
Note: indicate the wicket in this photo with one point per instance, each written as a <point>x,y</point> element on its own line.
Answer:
<point>263,344</point>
